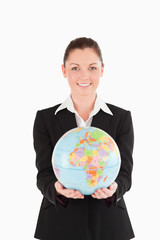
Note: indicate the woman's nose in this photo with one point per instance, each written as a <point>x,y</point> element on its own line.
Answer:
<point>84,75</point>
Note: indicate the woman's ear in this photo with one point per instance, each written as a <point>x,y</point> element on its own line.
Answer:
<point>64,71</point>
<point>102,70</point>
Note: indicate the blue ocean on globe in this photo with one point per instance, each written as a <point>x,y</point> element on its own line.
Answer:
<point>86,159</point>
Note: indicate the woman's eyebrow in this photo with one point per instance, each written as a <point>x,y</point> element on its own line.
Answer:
<point>74,64</point>
<point>78,64</point>
<point>93,63</point>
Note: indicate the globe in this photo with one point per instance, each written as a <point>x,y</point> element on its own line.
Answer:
<point>86,159</point>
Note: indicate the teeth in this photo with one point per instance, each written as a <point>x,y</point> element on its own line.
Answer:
<point>84,84</point>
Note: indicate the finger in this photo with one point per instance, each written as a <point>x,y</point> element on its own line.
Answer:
<point>68,192</point>
<point>59,186</point>
<point>74,194</point>
<point>96,194</point>
<point>78,194</point>
<point>113,186</point>
<point>102,194</point>
<point>99,194</point>
<point>107,192</point>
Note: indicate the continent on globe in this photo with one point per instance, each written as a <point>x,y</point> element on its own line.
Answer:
<point>93,159</point>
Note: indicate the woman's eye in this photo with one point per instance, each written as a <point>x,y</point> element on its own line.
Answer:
<point>92,68</point>
<point>75,68</point>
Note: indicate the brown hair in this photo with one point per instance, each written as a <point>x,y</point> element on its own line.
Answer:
<point>82,43</point>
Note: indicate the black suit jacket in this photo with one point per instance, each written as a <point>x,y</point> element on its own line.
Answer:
<point>88,218</point>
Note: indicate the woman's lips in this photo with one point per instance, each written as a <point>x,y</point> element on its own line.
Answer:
<point>83,84</point>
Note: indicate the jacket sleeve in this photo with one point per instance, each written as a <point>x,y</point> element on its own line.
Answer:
<point>125,142</point>
<point>43,147</point>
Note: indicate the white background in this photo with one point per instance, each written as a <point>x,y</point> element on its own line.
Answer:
<point>34,35</point>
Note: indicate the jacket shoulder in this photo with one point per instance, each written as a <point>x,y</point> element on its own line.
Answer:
<point>49,110</point>
<point>47,113</point>
<point>117,110</point>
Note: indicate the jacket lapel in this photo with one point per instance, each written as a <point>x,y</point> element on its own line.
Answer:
<point>66,120</point>
<point>103,120</point>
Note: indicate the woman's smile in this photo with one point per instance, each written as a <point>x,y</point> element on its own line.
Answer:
<point>84,85</point>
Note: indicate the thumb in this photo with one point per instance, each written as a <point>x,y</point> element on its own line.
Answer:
<point>111,186</point>
<point>59,185</point>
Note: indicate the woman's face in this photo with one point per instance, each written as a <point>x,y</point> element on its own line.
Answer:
<point>83,70</point>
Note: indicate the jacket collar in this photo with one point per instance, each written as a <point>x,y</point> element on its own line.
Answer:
<point>99,104</point>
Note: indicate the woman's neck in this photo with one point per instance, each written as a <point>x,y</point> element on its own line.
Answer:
<point>84,105</point>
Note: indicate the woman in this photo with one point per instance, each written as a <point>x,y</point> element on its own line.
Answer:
<point>66,213</point>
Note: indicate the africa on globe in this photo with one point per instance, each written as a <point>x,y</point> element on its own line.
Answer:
<point>86,159</point>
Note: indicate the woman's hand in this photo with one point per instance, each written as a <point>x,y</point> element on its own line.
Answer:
<point>103,193</point>
<point>69,193</point>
